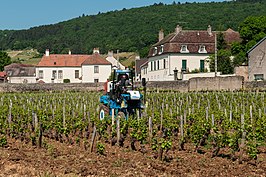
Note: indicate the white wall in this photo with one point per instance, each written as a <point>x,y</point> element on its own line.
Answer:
<point>68,73</point>
<point>174,61</point>
<point>21,79</point>
<point>89,75</point>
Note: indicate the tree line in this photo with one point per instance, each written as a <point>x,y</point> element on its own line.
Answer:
<point>130,30</point>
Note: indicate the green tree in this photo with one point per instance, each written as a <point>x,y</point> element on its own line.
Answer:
<point>224,63</point>
<point>252,30</point>
<point>4,60</point>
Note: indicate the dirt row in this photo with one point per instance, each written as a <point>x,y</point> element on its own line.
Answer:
<point>59,159</point>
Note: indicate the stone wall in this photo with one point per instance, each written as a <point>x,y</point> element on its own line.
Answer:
<point>216,83</point>
<point>7,87</point>
<point>255,85</point>
<point>194,84</point>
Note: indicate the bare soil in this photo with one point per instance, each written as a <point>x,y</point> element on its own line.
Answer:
<point>59,159</point>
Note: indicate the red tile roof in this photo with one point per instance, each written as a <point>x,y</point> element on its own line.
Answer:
<point>95,59</point>
<point>2,74</point>
<point>59,60</point>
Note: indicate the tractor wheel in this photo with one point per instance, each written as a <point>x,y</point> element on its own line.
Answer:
<point>103,112</point>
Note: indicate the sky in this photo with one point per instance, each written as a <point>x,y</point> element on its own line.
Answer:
<point>24,14</point>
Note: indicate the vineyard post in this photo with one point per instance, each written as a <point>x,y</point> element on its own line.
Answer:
<point>185,117</point>
<point>40,135</point>
<point>207,113</point>
<point>161,126</point>
<point>113,117</point>
<point>259,113</point>
<point>250,112</point>
<point>150,128</point>
<point>212,120</point>
<point>243,137</point>
<point>64,115</point>
<point>181,127</point>
<point>10,114</point>
<point>118,130</point>
<point>230,119</point>
<point>93,138</point>
<point>88,125</point>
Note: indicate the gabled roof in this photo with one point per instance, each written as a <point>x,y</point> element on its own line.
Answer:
<point>56,60</point>
<point>62,60</point>
<point>263,39</point>
<point>144,64</point>
<point>19,70</point>
<point>193,39</point>
<point>96,59</point>
<point>139,63</point>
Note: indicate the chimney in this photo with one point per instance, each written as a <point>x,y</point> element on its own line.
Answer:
<point>137,57</point>
<point>47,53</point>
<point>110,53</point>
<point>96,50</point>
<point>161,35</point>
<point>178,29</point>
<point>69,52</point>
<point>209,30</point>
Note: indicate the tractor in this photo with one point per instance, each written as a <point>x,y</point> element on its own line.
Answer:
<point>120,96</point>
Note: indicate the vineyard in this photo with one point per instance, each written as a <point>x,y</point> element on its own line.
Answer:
<point>224,125</point>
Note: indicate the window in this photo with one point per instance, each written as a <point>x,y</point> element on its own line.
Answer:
<point>258,77</point>
<point>202,49</point>
<point>154,64</point>
<point>161,49</point>
<point>54,74</point>
<point>96,69</point>
<point>76,74</point>
<point>40,74</point>
<point>158,64</point>
<point>60,74</point>
<point>202,66</point>
<point>151,66</point>
<point>164,63</point>
<point>184,65</point>
<point>155,51</point>
<point>96,80</point>
<point>184,49</point>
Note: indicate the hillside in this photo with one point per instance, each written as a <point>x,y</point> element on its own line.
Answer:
<point>130,30</point>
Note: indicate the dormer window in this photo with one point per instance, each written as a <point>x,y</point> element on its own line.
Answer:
<point>161,49</point>
<point>184,49</point>
<point>202,49</point>
<point>155,51</point>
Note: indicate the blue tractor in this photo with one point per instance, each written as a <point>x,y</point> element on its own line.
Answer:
<point>120,96</point>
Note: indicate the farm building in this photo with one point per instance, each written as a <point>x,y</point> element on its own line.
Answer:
<point>55,68</point>
<point>20,73</point>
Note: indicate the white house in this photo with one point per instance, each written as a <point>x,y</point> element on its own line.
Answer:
<point>182,55</point>
<point>54,68</point>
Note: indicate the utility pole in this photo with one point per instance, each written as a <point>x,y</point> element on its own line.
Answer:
<point>215,55</point>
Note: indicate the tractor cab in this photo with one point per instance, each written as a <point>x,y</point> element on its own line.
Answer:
<point>120,95</point>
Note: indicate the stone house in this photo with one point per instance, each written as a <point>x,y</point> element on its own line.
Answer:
<point>20,73</point>
<point>257,61</point>
<point>54,68</point>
